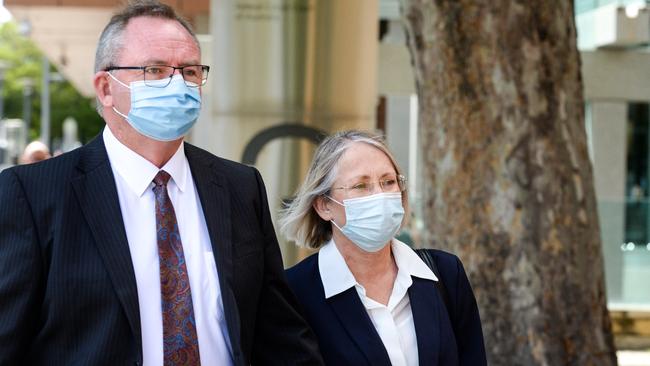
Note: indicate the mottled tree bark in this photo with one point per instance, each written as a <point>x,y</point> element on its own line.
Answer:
<point>507,179</point>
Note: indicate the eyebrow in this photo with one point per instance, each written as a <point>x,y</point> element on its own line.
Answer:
<point>366,176</point>
<point>160,62</point>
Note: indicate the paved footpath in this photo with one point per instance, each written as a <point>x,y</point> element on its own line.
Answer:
<point>633,358</point>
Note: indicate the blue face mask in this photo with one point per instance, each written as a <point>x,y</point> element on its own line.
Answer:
<point>372,221</point>
<point>162,113</point>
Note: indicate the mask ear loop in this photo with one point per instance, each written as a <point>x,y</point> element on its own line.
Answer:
<point>120,113</point>
<point>332,220</point>
<point>342,204</point>
<point>116,79</point>
<point>334,223</point>
<point>124,85</point>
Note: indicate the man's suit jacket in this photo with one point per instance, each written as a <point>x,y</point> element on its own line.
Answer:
<point>68,293</point>
<point>347,336</point>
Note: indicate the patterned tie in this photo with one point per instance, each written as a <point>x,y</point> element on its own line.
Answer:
<point>180,343</point>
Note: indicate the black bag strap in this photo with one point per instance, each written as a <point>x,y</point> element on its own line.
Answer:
<point>427,258</point>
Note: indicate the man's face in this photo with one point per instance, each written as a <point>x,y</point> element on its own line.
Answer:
<point>150,41</point>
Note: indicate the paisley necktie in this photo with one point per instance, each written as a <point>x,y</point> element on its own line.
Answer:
<point>180,343</point>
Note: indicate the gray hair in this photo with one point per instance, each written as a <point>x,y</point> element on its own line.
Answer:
<point>110,42</point>
<point>299,221</point>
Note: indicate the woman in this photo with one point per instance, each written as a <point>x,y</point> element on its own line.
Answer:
<point>370,298</point>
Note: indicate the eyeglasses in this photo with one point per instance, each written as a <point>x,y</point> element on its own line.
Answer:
<point>194,75</point>
<point>388,184</point>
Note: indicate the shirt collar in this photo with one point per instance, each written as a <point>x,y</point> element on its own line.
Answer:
<point>334,272</point>
<point>336,275</point>
<point>138,172</point>
<point>408,261</point>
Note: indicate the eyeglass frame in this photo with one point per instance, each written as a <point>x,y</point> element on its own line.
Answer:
<point>204,68</point>
<point>401,184</point>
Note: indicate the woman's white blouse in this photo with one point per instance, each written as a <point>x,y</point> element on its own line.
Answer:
<point>393,322</point>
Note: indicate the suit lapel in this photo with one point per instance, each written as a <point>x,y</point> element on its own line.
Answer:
<point>215,201</point>
<point>425,306</point>
<point>95,189</point>
<point>354,318</point>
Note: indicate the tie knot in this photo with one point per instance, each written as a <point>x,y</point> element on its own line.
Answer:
<point>161,178</point>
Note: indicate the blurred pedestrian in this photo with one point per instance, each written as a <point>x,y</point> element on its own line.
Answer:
<point>34,152</point>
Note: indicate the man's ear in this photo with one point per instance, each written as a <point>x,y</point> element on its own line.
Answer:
<point>321,205</point>
<point>103,89</point>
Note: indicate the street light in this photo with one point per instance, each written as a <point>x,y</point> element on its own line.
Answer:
<point>25,29</point>
<point>3,141</point>
<point>48,77</point>
<point>4,65</point>
<point>28,91</point>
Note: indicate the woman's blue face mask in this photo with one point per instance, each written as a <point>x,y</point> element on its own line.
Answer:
<point>372,221</point>
<point>165,113</point>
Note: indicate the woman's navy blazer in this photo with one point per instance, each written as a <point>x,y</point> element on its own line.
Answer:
<point>347,336</point>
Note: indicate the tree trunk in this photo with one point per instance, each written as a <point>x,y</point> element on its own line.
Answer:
<point>507,178</point>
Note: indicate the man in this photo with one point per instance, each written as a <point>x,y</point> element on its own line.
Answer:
<point>138,248</point>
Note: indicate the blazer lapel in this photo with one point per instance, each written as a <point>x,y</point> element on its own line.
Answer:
<point>355,320</point>
<point>425,305</point>
<point>95,189</point>
<point>215,201</point>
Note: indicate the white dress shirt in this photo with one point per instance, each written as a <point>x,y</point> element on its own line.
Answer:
<point>133,179</point>
<point>393,322</point>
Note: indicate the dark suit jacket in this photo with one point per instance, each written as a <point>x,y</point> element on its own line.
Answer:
<point>68,293</point>
<point>347,336</point>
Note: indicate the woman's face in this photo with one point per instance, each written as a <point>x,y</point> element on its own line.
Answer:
<point>362,165</point>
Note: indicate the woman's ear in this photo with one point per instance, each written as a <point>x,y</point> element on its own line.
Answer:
<point>321,205</point>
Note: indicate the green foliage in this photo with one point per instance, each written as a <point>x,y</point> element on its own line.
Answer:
<point>24,60</point>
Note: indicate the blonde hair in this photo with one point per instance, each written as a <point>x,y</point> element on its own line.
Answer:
<point>300,221</point>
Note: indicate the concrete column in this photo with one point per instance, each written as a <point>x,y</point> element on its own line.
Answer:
<point>402,139</point>
<point>607,127</point>
<point>274,62</point>
<point>398,112</point>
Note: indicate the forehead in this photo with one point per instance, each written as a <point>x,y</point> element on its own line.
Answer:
<point>151,39</point>
<point>361,159</point>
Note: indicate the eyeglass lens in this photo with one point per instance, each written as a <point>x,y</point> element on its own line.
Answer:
<point>388,184</point>
<point>194,75</point>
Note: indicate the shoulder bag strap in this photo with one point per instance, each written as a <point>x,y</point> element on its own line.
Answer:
<point>427,258</point>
